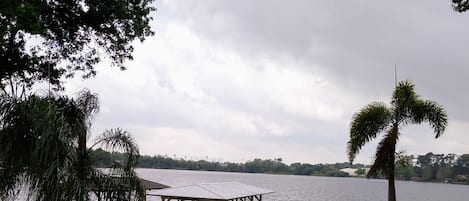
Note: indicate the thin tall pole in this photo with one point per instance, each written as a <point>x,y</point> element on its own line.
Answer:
<point>395,74</point>
<point>49,92</point>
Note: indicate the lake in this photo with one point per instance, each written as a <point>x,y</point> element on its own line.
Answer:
<point>312,188</point>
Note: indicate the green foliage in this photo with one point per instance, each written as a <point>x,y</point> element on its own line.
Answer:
<point>336,173</point>
<point>47,40</point>
<point>120,140</point>
<point>462,165</point>
<point>102,158</point>
<point>44,146</point>
<point>367,123</point>
<point>404,167</point>
<point>360,171</point>
<point>460,5</point>
<point>433,167</point>
<point>273,166</point>
<point>438,167</point>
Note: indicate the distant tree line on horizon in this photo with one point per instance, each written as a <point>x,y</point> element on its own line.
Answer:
<point>428,167</point>
<point>271,166</point>
<point>434,167</point>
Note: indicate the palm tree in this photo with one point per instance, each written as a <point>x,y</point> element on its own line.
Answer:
<point>43,140</point>
<point>406,108</point>
<point>122,182</point>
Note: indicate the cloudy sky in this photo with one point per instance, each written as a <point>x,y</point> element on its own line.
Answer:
<point>238,80</point>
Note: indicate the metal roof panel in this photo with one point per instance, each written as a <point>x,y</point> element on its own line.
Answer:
<point>221,191</point>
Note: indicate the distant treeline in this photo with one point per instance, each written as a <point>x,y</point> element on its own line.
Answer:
<point>434,167</point>
<point>428,167</point>
<point>272,166</point>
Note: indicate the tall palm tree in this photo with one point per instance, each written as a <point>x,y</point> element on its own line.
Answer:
<point>406,108</point>
<point>43,140</point>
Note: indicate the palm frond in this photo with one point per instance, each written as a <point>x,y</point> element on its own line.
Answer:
<point>433,113</point>
<point>88,103</point>
<point>17,138</point>
<point>43,140</point>
<point>123,186</point>
<point>36,144</point>
<point>366,124</point>
<point>385,154</point>
<point>120,140</point>
<point>403,98</point>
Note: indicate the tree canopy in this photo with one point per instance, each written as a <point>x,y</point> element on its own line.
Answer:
<point>47,40</point>
<point>460,5</point>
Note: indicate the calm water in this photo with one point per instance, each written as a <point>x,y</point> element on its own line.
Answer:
<point>309,188</point>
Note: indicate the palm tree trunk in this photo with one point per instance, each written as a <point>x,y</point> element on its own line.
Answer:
<point>391,183</point>
<point>81,165</point>
<point>391,186</point>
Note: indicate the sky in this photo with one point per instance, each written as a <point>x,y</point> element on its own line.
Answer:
<point>238,80</point>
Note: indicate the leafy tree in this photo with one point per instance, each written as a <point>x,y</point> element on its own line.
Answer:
<point>404,166</point>
<point>102,159</point>
<point>45,40</point>
<point>425,160</point>
<point>425,166</point>
<point>460,5</point>
<point>360,171</point>
<point>462,165</point>
<point>335,173</point>
<point>435,167</point>
<point>426,163</point>
<point>406,108</point>
<point>43,142</point>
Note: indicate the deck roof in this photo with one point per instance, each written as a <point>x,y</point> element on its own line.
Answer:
<point>212,191</point>
<point>150,185</point>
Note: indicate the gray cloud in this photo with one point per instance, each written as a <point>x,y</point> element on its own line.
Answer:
<point>283,79</point>
<point>356,42</point>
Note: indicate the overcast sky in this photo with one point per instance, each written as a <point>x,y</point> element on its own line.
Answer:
<point>238,80</point>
